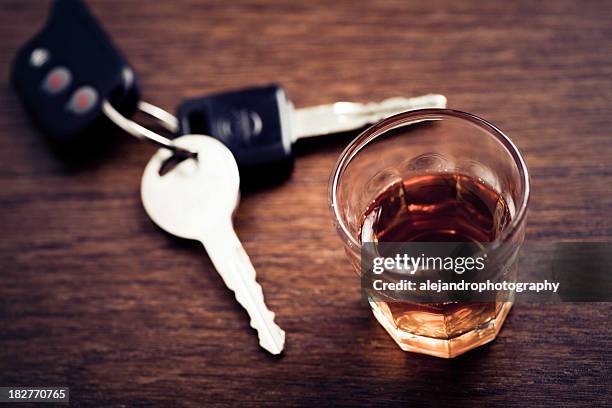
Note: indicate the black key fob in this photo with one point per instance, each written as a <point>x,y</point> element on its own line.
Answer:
<point>67,70</point>
<point>254,123</point>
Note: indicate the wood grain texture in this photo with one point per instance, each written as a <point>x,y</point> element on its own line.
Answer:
<point>93,296</point>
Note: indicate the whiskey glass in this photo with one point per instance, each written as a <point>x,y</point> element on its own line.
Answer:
<point>433,142</point>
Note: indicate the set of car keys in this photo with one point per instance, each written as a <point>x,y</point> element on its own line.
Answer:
<point>75,84</point>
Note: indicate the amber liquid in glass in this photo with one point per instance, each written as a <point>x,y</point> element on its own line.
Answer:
<point>438,208</point>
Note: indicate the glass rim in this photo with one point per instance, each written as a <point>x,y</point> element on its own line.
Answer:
<point>409,118</point>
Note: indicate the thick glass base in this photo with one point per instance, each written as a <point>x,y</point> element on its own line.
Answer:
<point>457,342</point>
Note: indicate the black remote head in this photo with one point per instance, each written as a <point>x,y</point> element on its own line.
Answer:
<point>67,70</point>
<point>255,123</point>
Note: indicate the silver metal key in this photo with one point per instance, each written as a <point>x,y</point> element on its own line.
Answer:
<point>195,200</point>
<point>260,125</point>
<point>344,116</point>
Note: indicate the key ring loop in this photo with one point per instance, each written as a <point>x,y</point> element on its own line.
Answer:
<point>165,118</point>
<point>142,133</point>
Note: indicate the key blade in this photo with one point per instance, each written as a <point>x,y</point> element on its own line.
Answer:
<point>233,264</point>
<point>344,116</point>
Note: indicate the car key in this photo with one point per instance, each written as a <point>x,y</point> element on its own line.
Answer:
<point>75,82</point>
<point>260,125</point>
<point>195,200</point>
<point>67,70</point>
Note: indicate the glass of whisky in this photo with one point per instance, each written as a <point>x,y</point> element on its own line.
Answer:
<point>436,176</point>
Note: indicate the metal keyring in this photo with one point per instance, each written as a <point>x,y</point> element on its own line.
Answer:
<point>142,133</point>
<point>165,118</point>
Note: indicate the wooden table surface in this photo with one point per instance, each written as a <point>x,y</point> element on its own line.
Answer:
<point>94,297</point>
